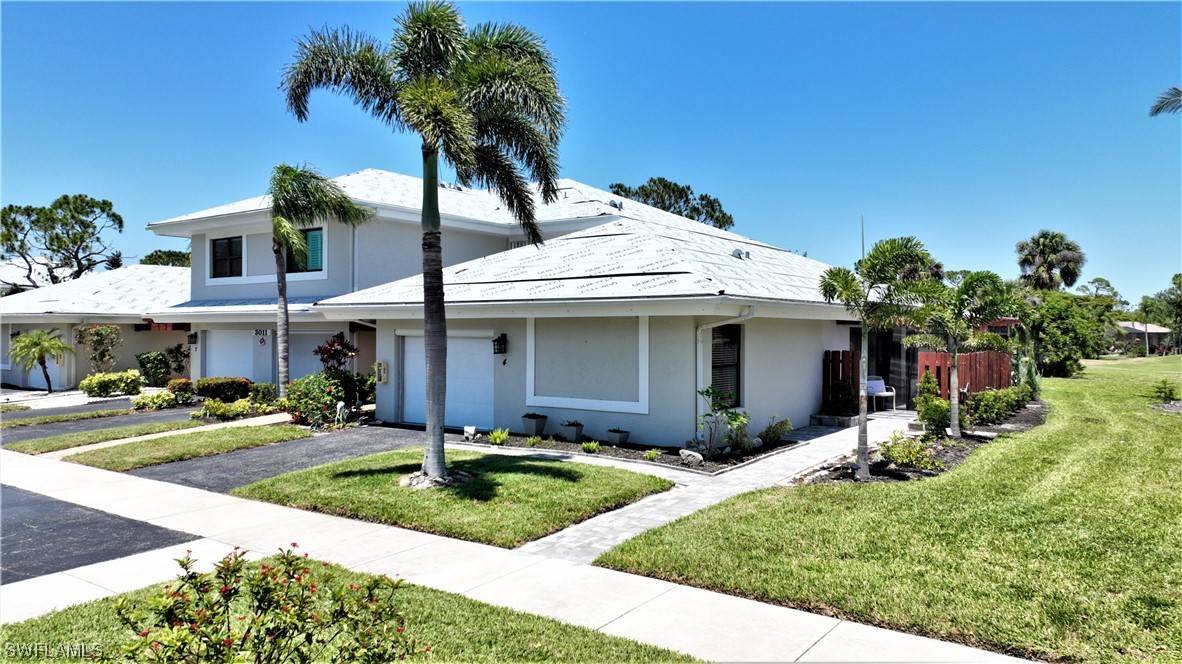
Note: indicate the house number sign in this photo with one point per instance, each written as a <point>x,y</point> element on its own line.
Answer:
<point>262,336</point>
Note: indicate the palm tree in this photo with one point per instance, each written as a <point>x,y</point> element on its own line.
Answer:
<point>32,348</point>
<point>1169,101</point>
<point>882,291</point>
<point>950,315</point>
<point>1049,260</point>
<point>486,100</point>
<point>300,197</point>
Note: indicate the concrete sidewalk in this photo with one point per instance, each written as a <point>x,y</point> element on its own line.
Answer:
<point>612,602</point>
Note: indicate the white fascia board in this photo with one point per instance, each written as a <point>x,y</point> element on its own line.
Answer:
<point>258,316</point>
<point>249,220</point>
<point>709,306</point>
<point>65,318</point>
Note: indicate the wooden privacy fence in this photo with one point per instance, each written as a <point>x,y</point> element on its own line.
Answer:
<point>979,371</point>
<point>837,366</point>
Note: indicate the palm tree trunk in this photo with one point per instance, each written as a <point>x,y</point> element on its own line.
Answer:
<point>281,318</point>
<point>45,372</point>
<point>954,393</point>
<point>863,442</point>
<point>434,318</point>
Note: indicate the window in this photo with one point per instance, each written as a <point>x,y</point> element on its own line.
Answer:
<point>226,259</point>
<point>724,364</point>
<point>314,239</point>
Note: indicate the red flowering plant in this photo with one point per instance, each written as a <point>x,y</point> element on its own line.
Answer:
<point>284,609</point>
<point>313,400</point>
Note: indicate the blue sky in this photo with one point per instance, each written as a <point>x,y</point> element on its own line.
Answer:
<point>969,125</point>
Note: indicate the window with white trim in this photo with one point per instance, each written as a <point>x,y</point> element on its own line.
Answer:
<point>725,358</point>
<point>314,240</point>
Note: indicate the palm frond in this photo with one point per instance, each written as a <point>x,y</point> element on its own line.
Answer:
<point>929,341</point>
<point>839,284</point>
<point>430,40</point>
<point>347,62</point>
<point>290,238</point>
<point>514,135</point>
<point>1169,101</point>
<point>302,197</point>
<point>496,170</point>
<point>435,110</point>
<point>511,66</point>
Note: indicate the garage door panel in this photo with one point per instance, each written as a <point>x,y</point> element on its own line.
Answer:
<point>469,382</point>
<point>229,353</point>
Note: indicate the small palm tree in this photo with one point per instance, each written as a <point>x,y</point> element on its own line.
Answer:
<point>1169,101</point>
<point>1049,260</point>
<point>33,348</point>
<point>882,290</point>
<point>300,197</point>
<point>486,100</point>
<point>951,315</point>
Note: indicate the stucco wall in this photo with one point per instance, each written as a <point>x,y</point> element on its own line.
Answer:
<point>259,264</point>
<point>586,358</point>
<point>388,251</point>
<point>781,368</point>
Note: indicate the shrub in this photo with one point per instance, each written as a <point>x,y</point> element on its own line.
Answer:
<point>775,429</point>
<point>262,393</point>
<point>335,352</point>
<point>1165,391</point>
<point>106,384</point>
<point>722,424</point>
<point>591,446</point>
<point>571,423</point>
<point>533,441</point>
<point>178,357</point>
<point>907,452</point>
<point>157,401</point>
<point>284,610</point>
<point>103,342</point>
<point>1133,348</point>
<point>1068,331</point>
<point>313,399</point>
<point>219,410</point>
<point>367,388</point>
<point>498,436</point>
<point>993,406</point>
<point>183,389</point>
<point>223,388</point>
<point>652,454</point>
<point>736,434</point>
<point>155,367</point>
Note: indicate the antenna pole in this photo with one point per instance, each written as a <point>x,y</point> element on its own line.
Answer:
<point>863,218</point>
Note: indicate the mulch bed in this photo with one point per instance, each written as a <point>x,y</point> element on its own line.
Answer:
<point>668,456</point>
<point>949,452</point>
<point>1172,407</point>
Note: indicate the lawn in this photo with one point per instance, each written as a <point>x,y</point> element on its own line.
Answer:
<point>65,417</point>
<point>1062,543</point>
<point>510,501</point>
<point>455,627</point>
<point>143,453</point>
<point>66,441</point>
<point>13,407</point>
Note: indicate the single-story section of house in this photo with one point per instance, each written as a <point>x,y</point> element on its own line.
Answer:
<point>617,326</point>
<point>117,297</point>
<point>1154,336</point>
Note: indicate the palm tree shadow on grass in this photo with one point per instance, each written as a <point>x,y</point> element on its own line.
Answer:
<point>484,485</point>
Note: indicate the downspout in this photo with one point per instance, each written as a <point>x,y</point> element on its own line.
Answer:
<point>700,348</point>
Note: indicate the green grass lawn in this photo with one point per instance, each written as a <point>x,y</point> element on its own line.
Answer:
<point>455,627</point>
<point>66,417</point>
<point>185,446</point>
<point>1061,543</point>
<point>66,441</point>
<point>512,500</point>
<point>13,407</point>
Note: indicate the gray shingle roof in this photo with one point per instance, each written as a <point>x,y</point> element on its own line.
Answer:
<point>1133,327</point>
<point>127,291</point>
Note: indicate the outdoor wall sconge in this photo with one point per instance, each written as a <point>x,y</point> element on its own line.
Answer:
<point>501,344</point>
<point>193,339</point>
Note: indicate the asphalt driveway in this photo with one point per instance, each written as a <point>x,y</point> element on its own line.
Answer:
<point>13,434</point>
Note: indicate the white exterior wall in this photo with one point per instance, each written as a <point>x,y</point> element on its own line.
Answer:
<point>781,368</point>
<point>263,367</point>
<point>75,366</point>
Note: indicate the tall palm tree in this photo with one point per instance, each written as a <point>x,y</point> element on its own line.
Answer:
<point>1049,260</point>
<point>300,197</point>
<point>33,348</point>
<point>486,100</point>
<point>882,290</point>
<point>950,315</point>
<point>1169,101</point>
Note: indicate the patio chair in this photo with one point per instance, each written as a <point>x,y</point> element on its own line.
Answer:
<point>876,387</point>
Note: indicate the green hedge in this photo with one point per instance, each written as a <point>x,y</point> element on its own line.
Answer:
<point>223,388</point>
<point>105,384</point>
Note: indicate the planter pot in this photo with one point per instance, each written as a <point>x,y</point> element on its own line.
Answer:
<point>573,434</point>
<point>617,437</point>
<point>533,426</point>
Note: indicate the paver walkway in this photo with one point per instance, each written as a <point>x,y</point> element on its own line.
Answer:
<point>640,608</point>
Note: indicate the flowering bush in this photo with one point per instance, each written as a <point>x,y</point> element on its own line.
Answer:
<point>313,399</point>
<point>225,388</point>
<point>183,389</point>
<point>287,609</point>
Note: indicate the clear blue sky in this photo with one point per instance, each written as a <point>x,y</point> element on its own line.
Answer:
<point>971,126</point>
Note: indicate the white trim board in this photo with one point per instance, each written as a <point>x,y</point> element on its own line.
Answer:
<point>639,407</point>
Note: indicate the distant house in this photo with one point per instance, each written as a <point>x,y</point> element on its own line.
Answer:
<point>120,297</point>
<point>1154,336</point>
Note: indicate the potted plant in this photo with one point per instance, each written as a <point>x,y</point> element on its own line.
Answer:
<point>617,436</point>
<point>533,424</point>
<point>572,430</point>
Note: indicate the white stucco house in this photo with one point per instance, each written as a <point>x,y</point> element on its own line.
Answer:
<point>117,297</point>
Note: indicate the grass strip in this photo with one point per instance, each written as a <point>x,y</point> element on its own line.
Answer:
<point>13,407</point>
<point>1060,543</point>
<point>455,627</point>
<point>64,417</point>
<point>68,440</point>
<point>510,501</point>
<point>185,446</point>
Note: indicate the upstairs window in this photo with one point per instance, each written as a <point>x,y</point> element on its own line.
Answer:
<point>726,351</point>
<point>314,240</point>
<point>226,258</point>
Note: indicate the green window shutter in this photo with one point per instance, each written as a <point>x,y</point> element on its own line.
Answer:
<point>315,240</point>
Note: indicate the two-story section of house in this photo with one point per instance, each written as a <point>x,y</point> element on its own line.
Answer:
<point>232,304</point>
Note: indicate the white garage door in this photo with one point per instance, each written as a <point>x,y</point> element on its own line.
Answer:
<point>230,353</point>
<point>469,382</point>
<point>301,361</point>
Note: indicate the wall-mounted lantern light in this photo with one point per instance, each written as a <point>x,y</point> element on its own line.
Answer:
<point>501,344</point>
<point>193,339</point>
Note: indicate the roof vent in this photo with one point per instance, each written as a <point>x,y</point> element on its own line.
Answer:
<point>747,255</point>
<point>737,253</point>
<point>614,204</point>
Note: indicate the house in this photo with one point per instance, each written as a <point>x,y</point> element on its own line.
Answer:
<point>1154,336</point>
<point>119,297</point>
<point>618,325</point>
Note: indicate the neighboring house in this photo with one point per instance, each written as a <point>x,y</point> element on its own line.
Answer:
<point>119,297</point>
<point>1154,335</point>
<point>618,325</point>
